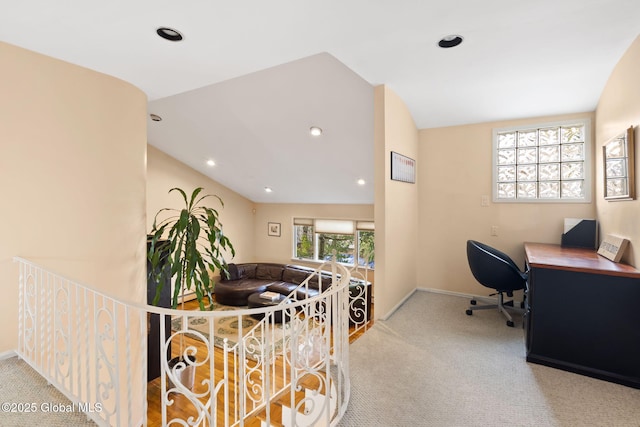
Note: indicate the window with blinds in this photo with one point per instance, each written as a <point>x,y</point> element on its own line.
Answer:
<point>350,240</point>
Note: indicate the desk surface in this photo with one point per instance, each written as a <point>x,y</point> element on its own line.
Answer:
<point>545,255</point>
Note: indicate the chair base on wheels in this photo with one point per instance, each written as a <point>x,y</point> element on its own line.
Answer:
<point>502,307</point>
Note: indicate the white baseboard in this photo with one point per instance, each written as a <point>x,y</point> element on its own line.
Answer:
<point>187,297</point>
<point>440,291</point>
<point>397,306</point>
<point>469,296</point>
<point>436,291</point>
<point>8,354</point>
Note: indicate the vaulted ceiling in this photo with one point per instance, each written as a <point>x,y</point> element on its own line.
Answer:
<point>250,78</point>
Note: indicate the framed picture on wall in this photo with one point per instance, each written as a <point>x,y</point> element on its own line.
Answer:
<point>403,168</point>
<point>273,229</point>
<point>619,167</point>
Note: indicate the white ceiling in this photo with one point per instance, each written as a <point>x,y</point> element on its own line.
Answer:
<point>251,77</point>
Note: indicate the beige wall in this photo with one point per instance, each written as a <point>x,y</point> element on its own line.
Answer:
<point>455,172</point>
<point>164,173</point>
<point>618,109</point>
<point>72,178</point>
<point>396,204</point>
<point>245,222</point>
<point>280,249</point>
<point>61,122</point>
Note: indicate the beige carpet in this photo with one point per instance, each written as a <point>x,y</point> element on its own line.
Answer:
<point>431,365</point>
<point>20,385</point>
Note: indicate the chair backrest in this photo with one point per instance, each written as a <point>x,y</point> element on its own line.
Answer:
<point>494,269</point>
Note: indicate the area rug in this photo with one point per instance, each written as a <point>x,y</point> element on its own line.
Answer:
<point>227,327</point>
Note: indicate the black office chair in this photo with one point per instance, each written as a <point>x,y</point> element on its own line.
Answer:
<point>495,270</point>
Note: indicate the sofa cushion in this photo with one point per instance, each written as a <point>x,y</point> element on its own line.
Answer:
<point>306,293</point>
<point>269,271</point>
<point>236,292</point>
<point>247,271</point>
<point>295,275</point>
<point>283,288</point>
<point>232,269</point>
<point>325,281</point>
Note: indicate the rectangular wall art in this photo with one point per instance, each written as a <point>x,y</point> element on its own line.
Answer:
<point>403,168</point>
<point>619,167</point>
<point>273,229</point>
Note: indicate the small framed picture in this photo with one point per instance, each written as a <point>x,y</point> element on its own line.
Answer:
<point>403,168</point>
<point>619,167</point>
<point>273,229</point>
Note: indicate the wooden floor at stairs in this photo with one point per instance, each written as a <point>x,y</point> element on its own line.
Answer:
<point>183,409</point>
<point>308,383</point>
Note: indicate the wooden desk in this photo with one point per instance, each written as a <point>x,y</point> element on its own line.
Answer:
<point>583,313</point>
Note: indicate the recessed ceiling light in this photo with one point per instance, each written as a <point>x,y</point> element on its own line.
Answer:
<point>211,162</point>
<point>315,131</point>
<point>361,181</point>
<point>169,34</point>
<point>155,117</point>
<point>450,41</point>
<point>268,189</point>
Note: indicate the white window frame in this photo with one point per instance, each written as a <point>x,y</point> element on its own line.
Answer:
<point>588,163</point>
<point>357,225</point>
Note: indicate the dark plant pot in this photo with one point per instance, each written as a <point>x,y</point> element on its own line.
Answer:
<point>185,374</point>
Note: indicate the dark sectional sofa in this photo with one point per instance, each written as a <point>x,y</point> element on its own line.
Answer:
<point>250,278</point>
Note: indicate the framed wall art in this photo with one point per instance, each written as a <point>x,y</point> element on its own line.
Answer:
<point>273,229</point>
<point>619,167</point>
<point>403,168</point>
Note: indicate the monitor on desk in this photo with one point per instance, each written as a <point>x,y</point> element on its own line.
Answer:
<point>580,233</point>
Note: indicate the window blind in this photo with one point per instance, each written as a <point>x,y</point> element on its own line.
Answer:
<point>302,221</point>
<point>365,225</point>
<point>333,226</point>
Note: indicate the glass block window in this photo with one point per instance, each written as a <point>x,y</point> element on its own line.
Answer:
<point>542,163</point>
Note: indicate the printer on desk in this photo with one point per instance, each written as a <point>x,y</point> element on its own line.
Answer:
<point>580,233</point>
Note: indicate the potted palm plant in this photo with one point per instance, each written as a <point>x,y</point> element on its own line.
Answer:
<point>188,245</point>
<point>191,243</point>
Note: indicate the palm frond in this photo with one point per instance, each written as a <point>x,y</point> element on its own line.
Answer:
<point>191,244</point>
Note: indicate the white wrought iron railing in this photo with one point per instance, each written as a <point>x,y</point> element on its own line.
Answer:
<point>360,300</point>
<point>290,368</point>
